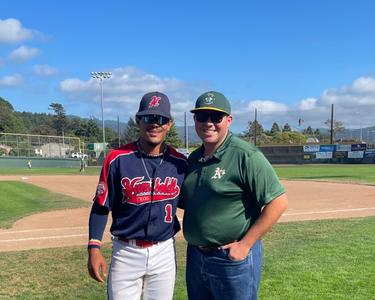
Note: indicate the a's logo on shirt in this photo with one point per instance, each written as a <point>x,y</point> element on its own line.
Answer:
<point>209,99</point>
<point>101,188</point>
<point>136,191</point>
<point>154,102</point>
<point>218,173</point>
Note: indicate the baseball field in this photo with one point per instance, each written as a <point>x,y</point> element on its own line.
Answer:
<point>322,248</point>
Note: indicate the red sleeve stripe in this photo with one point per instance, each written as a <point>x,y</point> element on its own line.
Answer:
<point>112,156</point>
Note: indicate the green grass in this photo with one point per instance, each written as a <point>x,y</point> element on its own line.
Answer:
<point>333,172</point>
<point>330,259</point>
<point>48,171</point>
<point>20,199</point>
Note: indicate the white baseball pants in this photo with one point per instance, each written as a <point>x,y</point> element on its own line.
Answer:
<point>135,270</point>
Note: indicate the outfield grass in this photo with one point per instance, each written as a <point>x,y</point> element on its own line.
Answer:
<point>332,172</point>
<point>330,259</point>
<point>19,199</point>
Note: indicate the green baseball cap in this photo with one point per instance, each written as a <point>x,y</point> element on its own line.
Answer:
<point>212,101</point>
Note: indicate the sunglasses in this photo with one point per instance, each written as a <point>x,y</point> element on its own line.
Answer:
<point>214,117</point>
<point>155,119</point>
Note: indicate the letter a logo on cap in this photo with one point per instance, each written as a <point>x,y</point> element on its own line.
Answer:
<point>154,102</point>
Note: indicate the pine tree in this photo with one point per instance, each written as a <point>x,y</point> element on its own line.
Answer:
<point>172,138</point>
<point>287,128</point>
<point>275,128</point>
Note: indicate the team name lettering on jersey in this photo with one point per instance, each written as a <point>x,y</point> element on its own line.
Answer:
<point>136,191</point>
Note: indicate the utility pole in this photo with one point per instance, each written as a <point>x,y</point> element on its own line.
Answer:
<point>255,128</point>
<point>186,132</point>
<point>331,139</point>
<point>118,130</point>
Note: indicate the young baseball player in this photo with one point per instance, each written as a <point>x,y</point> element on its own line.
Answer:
<point>140,184</point>
<point>232,197</point>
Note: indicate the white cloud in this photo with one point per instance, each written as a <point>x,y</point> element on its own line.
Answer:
<point>44,70</point>
<point>307,104</point>
<point>364,85</point>
<point>74,85</point>
<point>360,92</point>
<point>353,104</point>
<point>267,106</point>
<point>11,31</point>
<point>11,80</point>
<point>23,53</point>
<point>123,91</point>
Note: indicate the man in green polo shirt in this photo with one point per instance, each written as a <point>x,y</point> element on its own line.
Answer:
<point>232,197</point>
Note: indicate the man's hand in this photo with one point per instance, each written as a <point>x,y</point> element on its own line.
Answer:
<point>237,250</point>
<point>96,264</point>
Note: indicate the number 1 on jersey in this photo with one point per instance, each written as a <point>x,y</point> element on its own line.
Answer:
<point>168,213</point>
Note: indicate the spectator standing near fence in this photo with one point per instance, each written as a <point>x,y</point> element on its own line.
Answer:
<point>82,165</point>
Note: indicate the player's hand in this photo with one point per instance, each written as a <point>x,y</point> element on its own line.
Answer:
<point>237,250</point>
<point>96,264</point>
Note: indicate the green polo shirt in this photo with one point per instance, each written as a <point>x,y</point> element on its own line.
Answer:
<point>224,195</point>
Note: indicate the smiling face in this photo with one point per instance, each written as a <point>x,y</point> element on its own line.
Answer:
<point>209,129</point>
<point>153,133</point>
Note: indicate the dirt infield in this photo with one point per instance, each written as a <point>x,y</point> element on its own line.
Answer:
<point>307,201</point>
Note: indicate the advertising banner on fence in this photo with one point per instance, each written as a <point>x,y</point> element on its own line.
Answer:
<point>359,147</point>
<point>344,147</point>
<point>355,154</point>
<point>311,148</point>
<point>340,154</point>
<point>327,148</point>
<point>370,153</point>
<point>323,155</point>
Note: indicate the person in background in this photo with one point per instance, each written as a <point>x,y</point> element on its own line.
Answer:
<point>82,165</point>
<point>232,197</point>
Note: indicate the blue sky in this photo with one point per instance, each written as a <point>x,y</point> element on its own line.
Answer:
<point>289,59</point>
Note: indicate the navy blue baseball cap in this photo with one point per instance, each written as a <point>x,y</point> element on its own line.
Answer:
<point>154,103</point>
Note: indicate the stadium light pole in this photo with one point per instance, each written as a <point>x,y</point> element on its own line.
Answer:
<point>101,76</point>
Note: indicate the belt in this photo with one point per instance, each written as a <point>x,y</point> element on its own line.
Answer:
<point>138,243</point>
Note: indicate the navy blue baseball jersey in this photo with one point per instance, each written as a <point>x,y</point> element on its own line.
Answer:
<point>142,192</point>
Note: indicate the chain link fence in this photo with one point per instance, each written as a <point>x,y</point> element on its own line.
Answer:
<point>30,145</point>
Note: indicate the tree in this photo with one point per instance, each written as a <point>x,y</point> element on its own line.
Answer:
<point>308,131</point>
<point>60,120</point>
<point>9,121</point>
<point>43,130</point>
<point>289,137</point>
<point>92,131</point>
<point>172,138</point>
<point>287,128</point>
<point>131,131</point>
<point>251,127</point>
<point>338,126</point>
<point>275,128</point>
